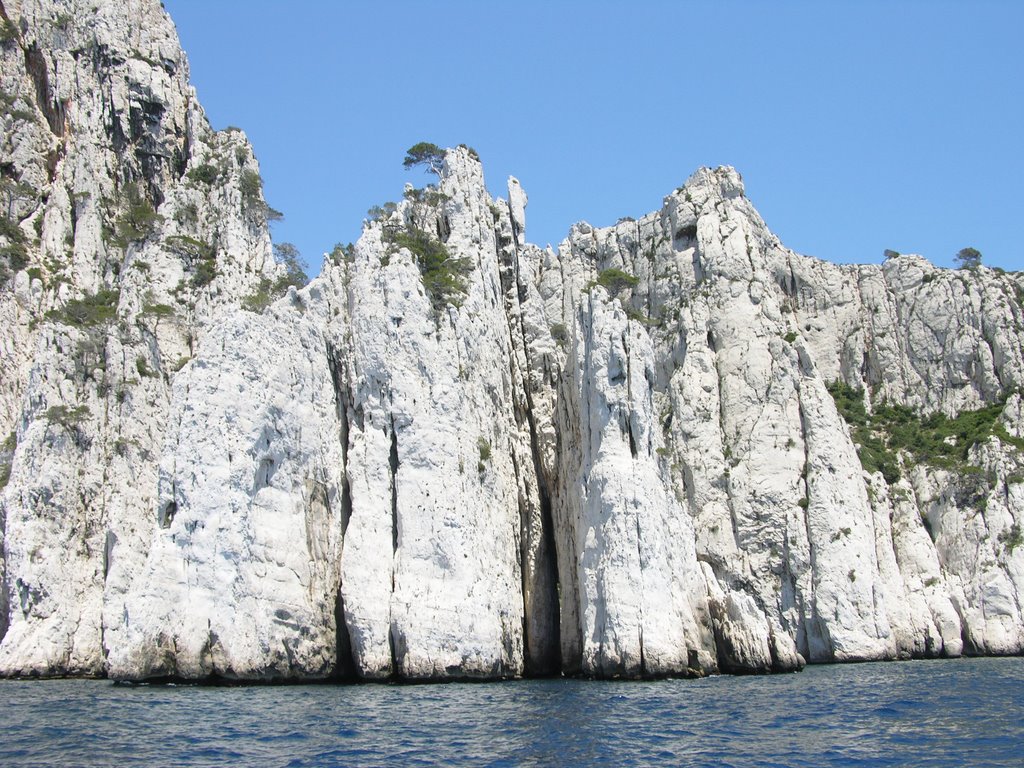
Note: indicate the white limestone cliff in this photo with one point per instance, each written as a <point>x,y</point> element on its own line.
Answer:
<point>137,224</point>
<point>661,449</point>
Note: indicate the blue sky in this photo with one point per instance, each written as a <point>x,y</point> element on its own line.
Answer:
<point>857,126</point>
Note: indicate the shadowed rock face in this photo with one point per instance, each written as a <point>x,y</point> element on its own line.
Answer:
<point>455,454</point>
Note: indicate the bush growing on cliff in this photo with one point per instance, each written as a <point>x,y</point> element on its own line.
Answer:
<point>268,290</point>
<point>91,310</point>
<point>204,272</point>
<point>14,194</point>
<point>139,217</point>
<point>287,255</point>
<point>382,212</point>
<point>158,310</point>
<point>443,275</point>
<point>261,298</point>
<point>559,333</point>
<point>138,220</point>
<point>204,174</point>
<point>67,418</point>
<point>343,254</point>
<point>7,449</point>
<point>614,280</point>
<point>187,214</point>
<point>472,152</point>
<point>1011,538</point>
<point>251,186</point>
<point>200,258</point>
<point>189,247</point>
<point>483,446</point>
<point>431,195</point>
<point>14,251</point>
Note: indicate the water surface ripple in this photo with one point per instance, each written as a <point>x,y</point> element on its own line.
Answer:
<point>927,713</point>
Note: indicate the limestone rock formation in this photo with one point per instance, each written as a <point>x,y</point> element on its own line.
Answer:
<point>129,224</point>
<point>669,447</point>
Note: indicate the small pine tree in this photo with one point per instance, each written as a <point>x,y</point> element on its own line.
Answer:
<point>424,153</point>
<point>968,258</point>
<point>288,255</point>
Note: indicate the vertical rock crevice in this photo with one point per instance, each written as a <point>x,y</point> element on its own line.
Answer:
<point>346,666</point>
<point>4,607</point>
<point>342,406</point>
<point>53,111</point>
<point>538,560</point>
<point>393,467</point>
<point>393,629</point>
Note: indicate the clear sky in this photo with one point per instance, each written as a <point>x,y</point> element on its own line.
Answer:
<point>858,126</point>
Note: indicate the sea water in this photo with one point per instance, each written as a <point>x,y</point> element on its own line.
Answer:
<point>967,712</point>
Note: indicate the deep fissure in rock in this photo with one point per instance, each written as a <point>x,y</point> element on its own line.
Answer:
<point>3,566</point>
<point>341,407</point>
<point>52,110</point>
<point>541,612</point>
<point>167,513</point>
<point>345,663</point>
<point>393,464</point>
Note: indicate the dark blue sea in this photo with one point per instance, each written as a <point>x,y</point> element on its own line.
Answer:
<point>967,712</point>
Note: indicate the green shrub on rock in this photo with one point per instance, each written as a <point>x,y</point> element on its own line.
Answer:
<point>614,280</point>
<point>936,439</point>
<point>204,174</point>
<point>443,274</point>
<point>91,310</point>
<point>288,256</point>
<point>15,251</point>
<point>65,417</point>
<point>267,291</point>
<point>968,258</point>
<point>138,218</point>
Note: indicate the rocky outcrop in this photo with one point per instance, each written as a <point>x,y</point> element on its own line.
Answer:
<point>129,225</point>
<point>670,447</point>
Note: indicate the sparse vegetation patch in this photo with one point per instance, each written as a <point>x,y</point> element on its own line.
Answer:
<point>614,280</point>
<point>443,274</point>
<point>935,439</point>
<point>91,310</point>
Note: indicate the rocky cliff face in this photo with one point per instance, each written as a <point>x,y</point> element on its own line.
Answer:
<point>127,225</point>
<point>672,447</point>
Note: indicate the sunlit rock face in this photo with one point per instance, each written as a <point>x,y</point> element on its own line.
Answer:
<point>669,447</point>
<point>129,228</point>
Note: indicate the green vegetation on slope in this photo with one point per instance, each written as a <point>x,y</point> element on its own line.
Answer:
<point>935,439</point>
<point>443,274</point>
<point>91,310</point>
